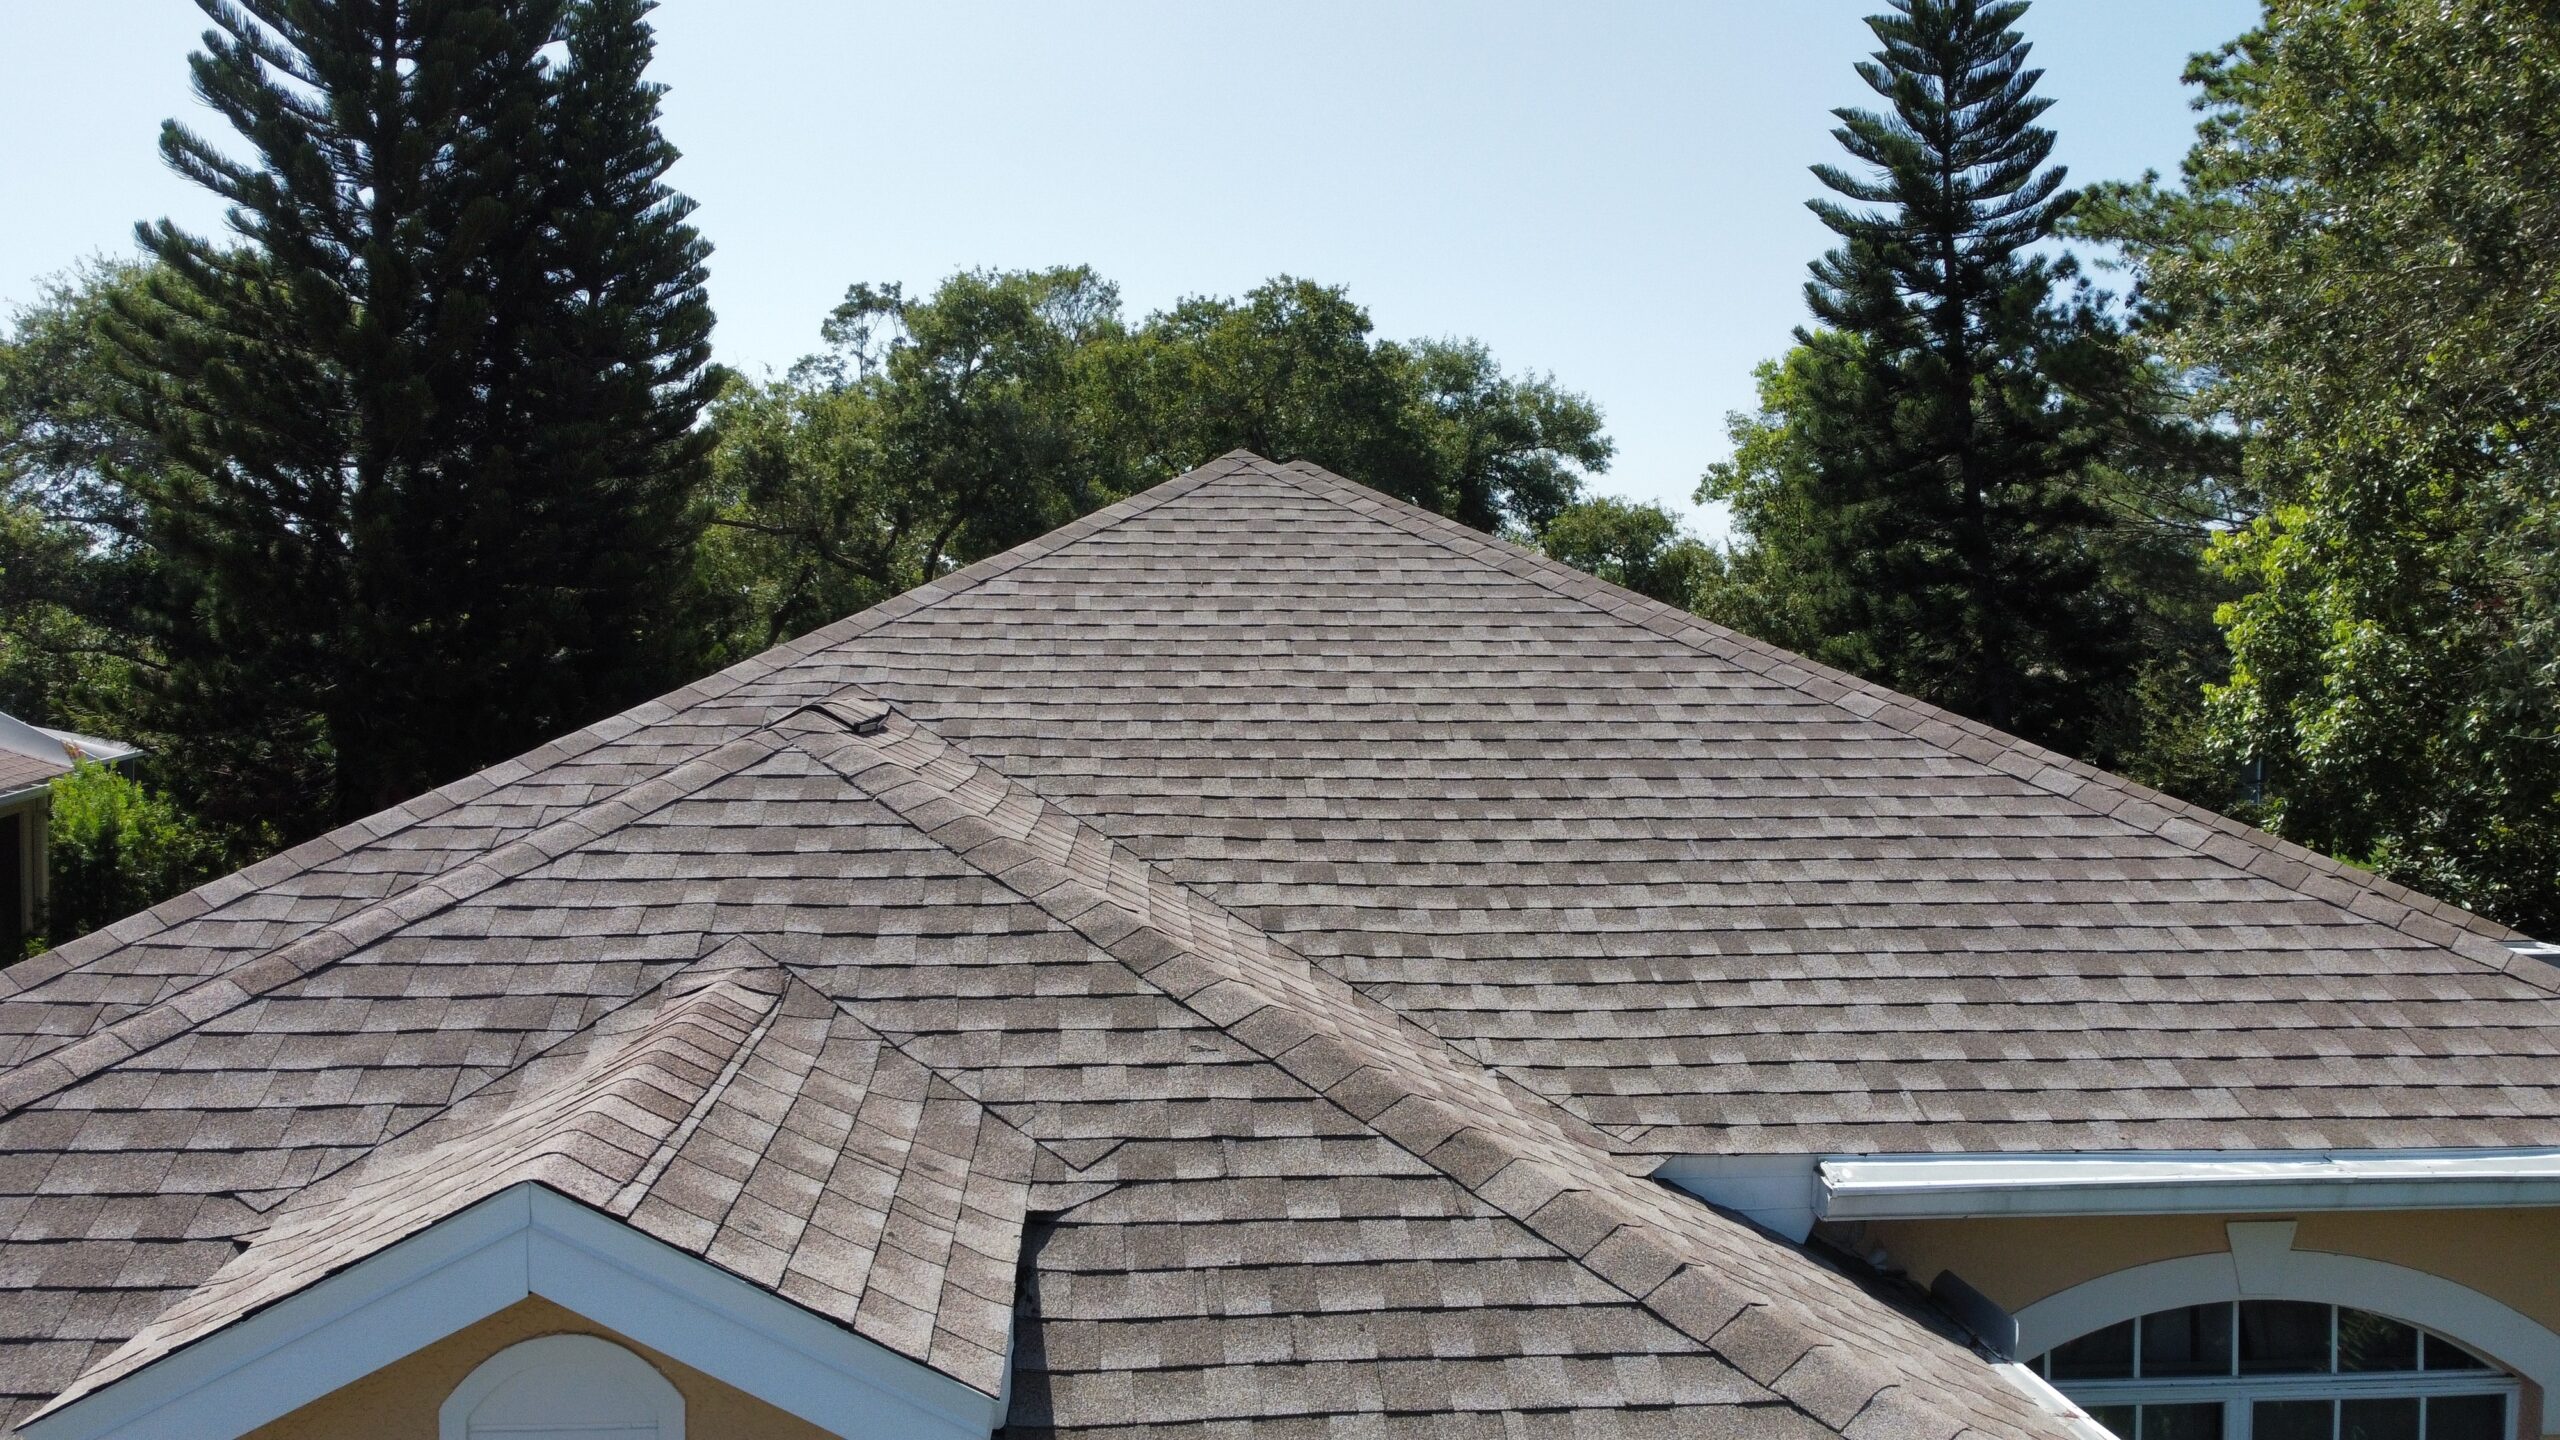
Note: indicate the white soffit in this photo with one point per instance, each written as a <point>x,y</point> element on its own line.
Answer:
<point>1914,1187</point>
<point>525,1240</point>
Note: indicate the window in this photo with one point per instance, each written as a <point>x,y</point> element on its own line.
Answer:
<point>563,1387</point>
<point>2280,1370</point>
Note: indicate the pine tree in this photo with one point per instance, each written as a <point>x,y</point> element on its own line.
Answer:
<point>623,372</point>
<point>434,402</point>
<point>1941,542</point>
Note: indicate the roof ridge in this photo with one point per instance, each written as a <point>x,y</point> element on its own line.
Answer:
<point>355,834</point>
<point>1707,1276</point>
<point>606,1084</point>
<point>253,974</point>
<point>2271,857</point>
<point>722,967</point>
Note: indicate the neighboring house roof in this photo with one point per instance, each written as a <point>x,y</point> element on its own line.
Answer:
<point>1248,949</point>
<point>32,755</point>
<point>22,773</point>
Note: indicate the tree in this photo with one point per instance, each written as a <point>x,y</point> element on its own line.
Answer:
<point>931,433</point>
<point>1509,451</point>
<point>1290,372</point>
<point>74,568</point>
<point>1642,547</point>
<point>432,409</point>
<point>934,431</point>
<point>116,848</point>
<point>2372,291</point>
<point>1924,519</point>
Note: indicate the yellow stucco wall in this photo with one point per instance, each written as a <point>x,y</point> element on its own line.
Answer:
<point>399,1401</point>
<point>2511,1256</point>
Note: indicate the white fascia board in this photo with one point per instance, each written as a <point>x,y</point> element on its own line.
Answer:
<point>525,1240</point>
<point>1778,1192</point>
<point>1915,1187</point>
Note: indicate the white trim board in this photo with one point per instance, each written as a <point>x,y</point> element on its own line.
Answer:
<point>1908,1187</point>
<point>2052,1401</point>
<point>525,1240</point>
<point>1789,1193</point>
<point>1779,1192</point>
<point>2263,1265</point>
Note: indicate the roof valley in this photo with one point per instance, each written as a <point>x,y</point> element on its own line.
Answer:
<point>1668,1254</point>
<point>1424,881</point>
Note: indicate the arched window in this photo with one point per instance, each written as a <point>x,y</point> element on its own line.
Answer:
<point>563,1387</point>
<point>2280,1370</point>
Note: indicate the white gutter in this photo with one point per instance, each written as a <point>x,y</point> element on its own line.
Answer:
<point>1791,1193</point>
<point>1912,1187</point>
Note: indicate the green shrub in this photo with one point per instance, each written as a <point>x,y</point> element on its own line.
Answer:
<point>117,848</point>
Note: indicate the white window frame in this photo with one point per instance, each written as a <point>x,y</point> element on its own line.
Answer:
<point>2263,1265</point>
<point>2237,1394</point>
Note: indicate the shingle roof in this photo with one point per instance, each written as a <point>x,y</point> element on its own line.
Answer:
<point>25,772</point>
<point>743,1118</point>
<point>1260,950</point>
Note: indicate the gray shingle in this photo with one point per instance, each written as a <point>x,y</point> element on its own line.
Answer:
<point>1248,971</point>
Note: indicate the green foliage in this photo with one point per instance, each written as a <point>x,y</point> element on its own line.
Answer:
<point>2364,262</point>
<point>1290,372</point>
<point>1915,491</point>
<point>932,432</point>
<point>936,431</point>
<point>73,570</point>
<point>116,848</point>
<point>432,411</point>
<point>1777,583</point>
<point>1642,547</point>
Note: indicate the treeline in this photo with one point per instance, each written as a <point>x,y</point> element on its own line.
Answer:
<point>2241,485</point>
<point>934,431</point>
<point>2277,526</point>
<point>425,461</point>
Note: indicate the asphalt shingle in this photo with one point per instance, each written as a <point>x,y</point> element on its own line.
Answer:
<point>1242,952</point>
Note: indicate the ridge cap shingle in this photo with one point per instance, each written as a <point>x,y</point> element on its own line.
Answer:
<point>245,977</point>
<point>1507,1147</point>
<point>410,1183</point>
<point>16,978</point>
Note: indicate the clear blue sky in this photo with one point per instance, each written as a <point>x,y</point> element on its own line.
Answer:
<point>1609,191</point>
